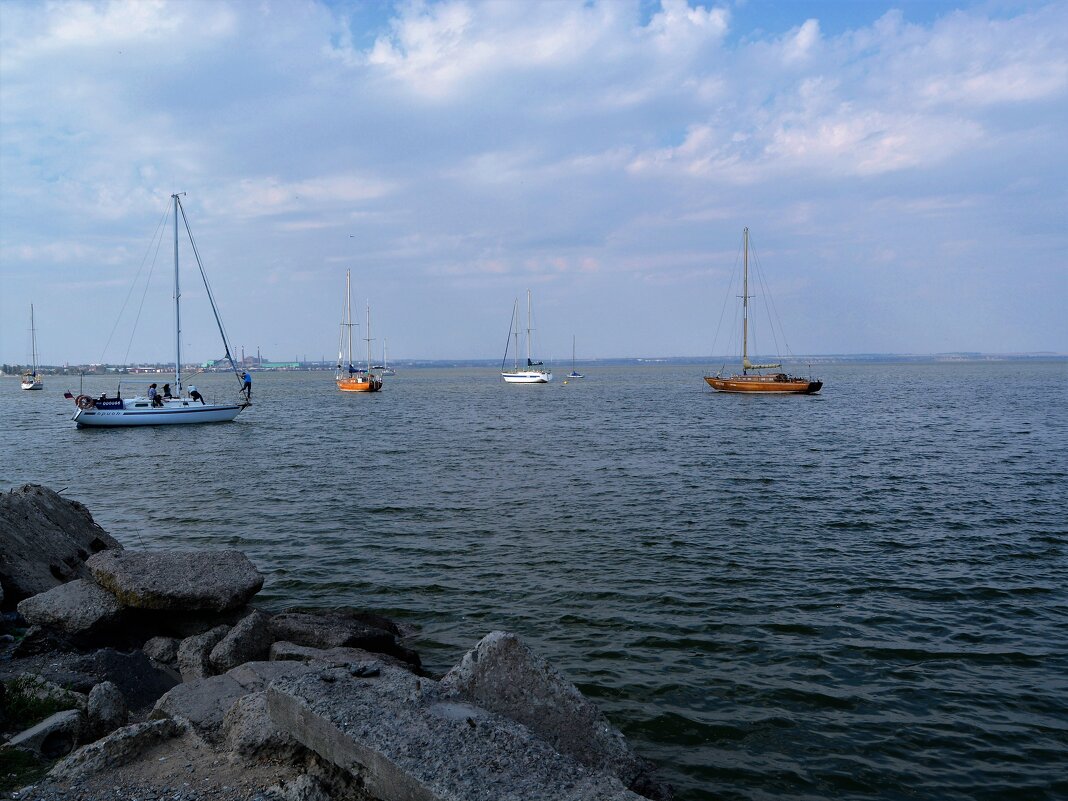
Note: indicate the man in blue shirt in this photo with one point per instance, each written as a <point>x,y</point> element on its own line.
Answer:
<point>247,387</point>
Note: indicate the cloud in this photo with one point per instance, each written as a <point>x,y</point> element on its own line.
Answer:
<point>603,147</point>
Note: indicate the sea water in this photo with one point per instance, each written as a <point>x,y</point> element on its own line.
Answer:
<point>854,595</point>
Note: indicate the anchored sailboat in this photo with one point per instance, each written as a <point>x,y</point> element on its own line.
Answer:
<point>384,369</point>
<point>354,379</point>
<point>535,372</point>
<point>574,373</point>
<point>779,383</point>
<point>165,409</point>
<point>31,379</point>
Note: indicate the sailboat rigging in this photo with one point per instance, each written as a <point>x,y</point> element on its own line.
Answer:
<point>574,373</point>
<point>535,371</point>
<point>352,378</point>
<point>756,381</point>
<point>154,408</point>
<point>31,379</point>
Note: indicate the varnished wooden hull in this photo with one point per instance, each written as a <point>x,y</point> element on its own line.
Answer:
<point>355,385</point>
<point>770,384</point>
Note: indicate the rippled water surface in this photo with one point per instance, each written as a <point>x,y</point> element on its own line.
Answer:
<point>855,595</point>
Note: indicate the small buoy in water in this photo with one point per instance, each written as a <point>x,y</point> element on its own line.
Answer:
<point>565,382</point>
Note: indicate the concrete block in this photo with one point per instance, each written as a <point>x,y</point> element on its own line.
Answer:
<point>409,743</point>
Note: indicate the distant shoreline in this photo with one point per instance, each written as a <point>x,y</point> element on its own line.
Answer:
<point>823,359</point>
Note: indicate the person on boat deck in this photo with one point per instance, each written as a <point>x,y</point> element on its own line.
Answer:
<point>247,386</point>
<point>351,369</point>
<point>167,391</point>
<point>196,395</point>
<point>152,393</point>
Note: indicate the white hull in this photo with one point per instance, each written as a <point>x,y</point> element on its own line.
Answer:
<point>528,377</point>
<point>139,412</point>
<point>33,385</point>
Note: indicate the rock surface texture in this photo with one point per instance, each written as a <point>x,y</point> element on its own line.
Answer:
<point>501,674</point>
<point>214,581</point>
<point>78,608</point>
<point>406,741</point>
<point>45,540</point>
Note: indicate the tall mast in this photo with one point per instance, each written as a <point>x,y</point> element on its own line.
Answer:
<point>33,343</point>
<point>368,338</point>
<point>177,310</point>
<point>745,306</point>
<point>348,310</point>
<point>515,351</point>
<point>528,327</point>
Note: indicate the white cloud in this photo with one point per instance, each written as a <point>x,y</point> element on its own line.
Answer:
<point>594,145</point>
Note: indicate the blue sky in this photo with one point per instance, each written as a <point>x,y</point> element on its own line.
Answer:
<point>902,167</point>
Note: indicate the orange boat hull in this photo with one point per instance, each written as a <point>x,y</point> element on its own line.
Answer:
<point>775,384</point>
<point>356,385</point>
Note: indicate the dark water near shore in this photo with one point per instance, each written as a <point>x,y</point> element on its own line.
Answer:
<point>856,595</point>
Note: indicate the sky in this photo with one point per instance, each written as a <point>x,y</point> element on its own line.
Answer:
<point>902,168</point>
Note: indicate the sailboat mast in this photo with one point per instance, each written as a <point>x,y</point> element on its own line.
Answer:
<point>528,326</point>
<point>177,309</point>
<point>745,305</point>
<point>368,338</point>
<point>33,343</point>
<point>348,310</point>
<point>515,320</point>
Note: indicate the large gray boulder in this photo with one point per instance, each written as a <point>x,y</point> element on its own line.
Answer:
<point>248,641</point>
<point>503,675</point>
<point>106,709</point>
<point>45,540</point>
<point>204,703</point>
<point>189,581</point>
<point>193,652</point>
<point>79,608</point>
<point>340,628</point>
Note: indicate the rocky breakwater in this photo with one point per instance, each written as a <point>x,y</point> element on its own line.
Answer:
<point>148,674</point>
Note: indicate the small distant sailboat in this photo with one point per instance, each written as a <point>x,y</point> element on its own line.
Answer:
<point>354,379</point>
<point>31,379</point>
<point>574,373</point>
<point>166,409</point>
<point>384,369</point>
<point>777,383</point>
<point>535,372</point>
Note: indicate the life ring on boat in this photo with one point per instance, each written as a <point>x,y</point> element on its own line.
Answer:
<point>84,402</point>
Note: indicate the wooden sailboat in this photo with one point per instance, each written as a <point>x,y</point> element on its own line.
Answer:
<point>169,409</point>
<point>751,379</point>
<point>31,379</point>
<point>535,371</point>
<point>352,378</point>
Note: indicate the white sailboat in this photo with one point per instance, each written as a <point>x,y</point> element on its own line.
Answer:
<point>384,368</point>
<point>154,408</point>
<point>535,372</point>
<point>574,373</point>
<point>31,379</point>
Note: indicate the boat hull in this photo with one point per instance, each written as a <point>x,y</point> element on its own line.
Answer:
<point>33,385</point>
<point>765,384</point>
<point>169,415</point>
<point>527,377</point>
<point>357,385</point>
